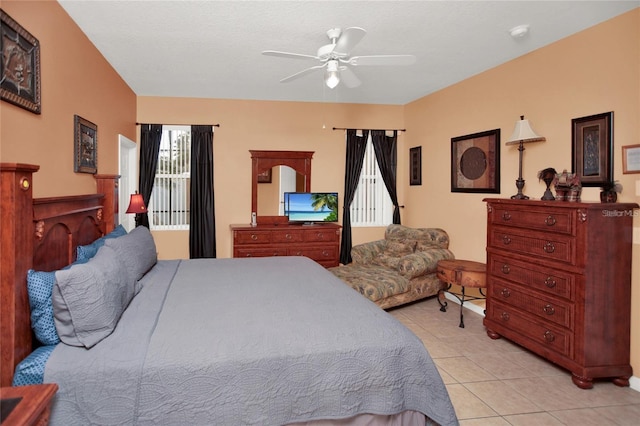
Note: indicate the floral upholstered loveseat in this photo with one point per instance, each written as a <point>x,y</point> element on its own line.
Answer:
<point>398,269</point>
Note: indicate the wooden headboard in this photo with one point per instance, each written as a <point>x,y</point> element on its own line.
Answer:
<point>40,234</point>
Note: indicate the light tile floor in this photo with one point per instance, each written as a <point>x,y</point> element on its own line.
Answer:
<point>496,382</point>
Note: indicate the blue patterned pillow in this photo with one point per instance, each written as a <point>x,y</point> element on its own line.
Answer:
<point>30,371</point>
<point>84,253</point>
<point>39,287</point>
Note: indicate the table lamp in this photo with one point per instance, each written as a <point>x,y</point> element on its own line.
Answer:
<point>522,134</point>
<point>137,206</point>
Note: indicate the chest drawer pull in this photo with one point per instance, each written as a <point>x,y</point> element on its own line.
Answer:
<point>506,216</point>
<point>505,316</point>
<point>549,247</point>
<point>506,240</point>
<point>550,282</point>
<point>549,336</point>
<point>505,293</point>
<point>505,269</point>
<point>247,255</point>
<point>550,220</point>
<point>254,237</point>
<point>549,310</point>
<point>288,236</point>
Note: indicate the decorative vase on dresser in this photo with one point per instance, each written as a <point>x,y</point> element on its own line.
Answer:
<point>559,283</point>
<point>318,242</point>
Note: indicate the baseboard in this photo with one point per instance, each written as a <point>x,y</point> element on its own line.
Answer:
<point>467,304</point>
<point>634,382</point>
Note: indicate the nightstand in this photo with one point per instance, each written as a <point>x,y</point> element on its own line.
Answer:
<point>26,405</point>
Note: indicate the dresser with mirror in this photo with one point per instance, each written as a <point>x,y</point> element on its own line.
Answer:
<point>272,174</point>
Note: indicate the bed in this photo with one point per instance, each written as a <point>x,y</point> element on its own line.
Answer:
<point>204,341</point>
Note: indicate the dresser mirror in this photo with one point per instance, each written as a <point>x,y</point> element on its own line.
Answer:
<point>275,172</point>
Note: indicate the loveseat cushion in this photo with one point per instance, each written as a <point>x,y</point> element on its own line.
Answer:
<point>422,262</point>
<point>415,236</point>
<point>373,281</point>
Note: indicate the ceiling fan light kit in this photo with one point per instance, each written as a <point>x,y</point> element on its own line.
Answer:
<point>335,59</point>
<point>332,74</point>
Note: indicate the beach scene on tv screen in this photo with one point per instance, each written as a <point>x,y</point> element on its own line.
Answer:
<point>313,207</point>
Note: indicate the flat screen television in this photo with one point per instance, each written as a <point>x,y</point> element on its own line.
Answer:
<point>311,207</point>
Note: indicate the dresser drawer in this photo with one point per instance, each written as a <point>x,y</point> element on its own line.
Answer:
<point>315,253</point>
<point>260,252</point>
<point>319,234</point>
<point>252,237</point>
<point>548,246</point>
<point>547,219</point>
<point>544,334</point>
<point>547,280</point>
<point>290,236</point>
<point>547,308</point>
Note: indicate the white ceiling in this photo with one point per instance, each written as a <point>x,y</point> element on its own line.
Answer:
<point>212,49</point>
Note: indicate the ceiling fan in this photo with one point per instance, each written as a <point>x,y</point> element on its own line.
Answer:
<point>336,60</point>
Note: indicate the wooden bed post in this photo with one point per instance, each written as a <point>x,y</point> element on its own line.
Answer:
<point>16,217</point>
<point>108,185</point>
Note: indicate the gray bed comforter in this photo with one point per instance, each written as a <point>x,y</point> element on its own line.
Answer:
<point>264,341</point>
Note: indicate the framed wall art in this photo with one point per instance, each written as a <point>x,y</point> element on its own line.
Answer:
<point>264,177</point>
<point>592,148</point>
<point>85,146</point>
<point>415,165</point>
<point>631,159</point>
<point>475,162</point>
<point>20,65</point>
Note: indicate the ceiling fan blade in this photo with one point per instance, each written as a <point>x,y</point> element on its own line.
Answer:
<point>288,55</point>
<point>349,78</point>
<point>301,73</point>
<point>381,60</point>
<point>348,39</point>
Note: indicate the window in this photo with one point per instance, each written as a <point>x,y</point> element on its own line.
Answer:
<point>170,198</point>
<point>371,204</point>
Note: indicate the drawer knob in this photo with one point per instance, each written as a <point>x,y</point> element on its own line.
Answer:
<point>550,220</point>
<point>248,255</point>
<point>288,236</point>
<point>505,269</point>
<point>505,292</point>
<point>549,247</point>
<point>320,235</point>
<point>550,282</point>
<point>325,254</point>
<point>506,216</point>
<point>549,336</point>
<point>549,310</point>
<point>506,240</point>
<point>505,316</point>
<point>254,237</point>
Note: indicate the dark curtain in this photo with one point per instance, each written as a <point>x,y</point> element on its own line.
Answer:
<point>387,156</point>
<point>150,136</point>
<point>202,224</point>
<point>356,148</point>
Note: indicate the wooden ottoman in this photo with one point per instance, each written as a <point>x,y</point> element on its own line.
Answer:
<point>465,273</point>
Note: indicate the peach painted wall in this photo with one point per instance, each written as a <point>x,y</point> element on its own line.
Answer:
<point>594,71</point>
<point>76,79</point>
<point>247,125</point>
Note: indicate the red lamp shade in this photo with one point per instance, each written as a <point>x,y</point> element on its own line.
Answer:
<point>136,204</point>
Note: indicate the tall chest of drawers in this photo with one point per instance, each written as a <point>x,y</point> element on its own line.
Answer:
<point>320,242</point>
<point>559,283</point>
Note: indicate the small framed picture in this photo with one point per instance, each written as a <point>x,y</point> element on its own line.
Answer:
<point>20,65</point>
<point>631,159</point>
<point>475,162</point>
<point>264,177</point>
<point>415,165</point>
<point>86,146</point>
<point>592,149</point>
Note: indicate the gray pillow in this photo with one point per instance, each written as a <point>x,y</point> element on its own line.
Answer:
<point>136,251</point>
<point>88,299</point>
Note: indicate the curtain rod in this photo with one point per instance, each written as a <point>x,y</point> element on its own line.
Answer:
<point>399,130</point>
<point>167,124</point>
